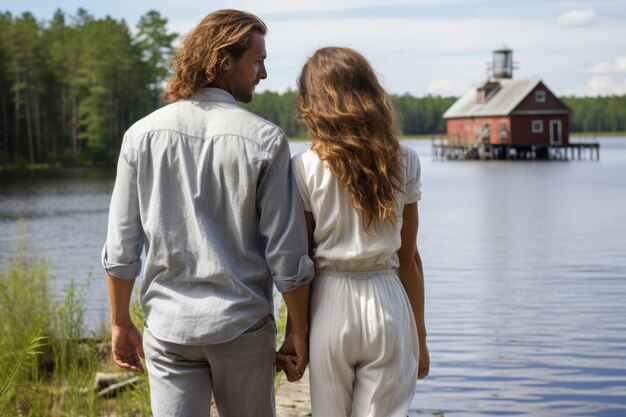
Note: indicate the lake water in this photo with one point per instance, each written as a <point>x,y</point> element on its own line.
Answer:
<point>525,268</point>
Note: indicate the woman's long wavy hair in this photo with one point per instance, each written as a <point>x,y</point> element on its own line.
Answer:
<point>351,122</point>
<point>204,50</point>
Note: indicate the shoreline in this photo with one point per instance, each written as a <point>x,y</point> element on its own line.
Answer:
<point>56,165</point>
<point>292,398</point>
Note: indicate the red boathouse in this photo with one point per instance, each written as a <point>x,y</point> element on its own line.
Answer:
<point>508,119</point>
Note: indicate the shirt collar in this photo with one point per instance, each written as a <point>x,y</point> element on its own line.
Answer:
<point>213,94</point>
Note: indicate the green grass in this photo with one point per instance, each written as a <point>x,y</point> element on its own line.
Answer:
<point>281,323</point>
<point>48,361</point>
<point>15,366</point>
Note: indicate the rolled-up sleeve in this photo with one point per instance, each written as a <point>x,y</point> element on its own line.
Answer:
<point>413,174</point>
<point>121,254</point>
<point>281,222</point>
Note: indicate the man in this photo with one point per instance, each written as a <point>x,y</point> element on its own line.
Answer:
<point>207,188</point>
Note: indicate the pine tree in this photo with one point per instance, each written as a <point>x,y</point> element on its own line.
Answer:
<point>156,45</point>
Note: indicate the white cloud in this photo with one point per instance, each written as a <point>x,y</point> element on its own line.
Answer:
<point>618,66</point>
<point>599,85</point>
<point>578,18</point>
<point>446,87</point>
<point>414,55</point>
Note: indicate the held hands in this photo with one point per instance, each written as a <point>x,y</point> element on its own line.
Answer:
<point>293,356</point>
<point>126,344</point>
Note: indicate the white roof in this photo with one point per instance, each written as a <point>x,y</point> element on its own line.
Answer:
<point>502,103</point>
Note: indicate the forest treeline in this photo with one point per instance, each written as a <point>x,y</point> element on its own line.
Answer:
<point>71,86</point>
<point>597,114</point>
<point>415,116</point>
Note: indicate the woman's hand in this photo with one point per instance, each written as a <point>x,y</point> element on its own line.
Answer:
<point>293,356</point>
<point>424,361</point>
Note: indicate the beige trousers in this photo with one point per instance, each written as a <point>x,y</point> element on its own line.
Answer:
<point>363,345</point>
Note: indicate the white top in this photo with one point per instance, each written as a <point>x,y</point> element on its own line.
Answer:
<point>341,242</point>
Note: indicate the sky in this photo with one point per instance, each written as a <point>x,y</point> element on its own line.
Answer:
<point>419,47</point>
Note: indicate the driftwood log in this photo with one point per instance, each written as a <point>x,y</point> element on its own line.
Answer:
<point>110,385</point>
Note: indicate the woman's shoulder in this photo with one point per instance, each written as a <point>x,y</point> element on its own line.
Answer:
<point>307,158</point>
<point>408,150</point>
<point>410,157</point>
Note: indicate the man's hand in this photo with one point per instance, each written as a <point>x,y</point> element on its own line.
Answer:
<point>293,356</point>
<point>126,344</point>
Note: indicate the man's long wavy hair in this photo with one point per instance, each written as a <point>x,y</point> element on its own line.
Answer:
<point>351,122</point>
<point>204,50</point>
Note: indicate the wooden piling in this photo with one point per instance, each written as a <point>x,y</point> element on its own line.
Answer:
<point>443,150</point>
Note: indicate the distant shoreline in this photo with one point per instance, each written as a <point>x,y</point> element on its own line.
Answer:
<point>43,166</point>
<point>597,134</point>
<point>443,136</point>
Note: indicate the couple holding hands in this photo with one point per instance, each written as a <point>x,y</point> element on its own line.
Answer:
<point>210,191</point>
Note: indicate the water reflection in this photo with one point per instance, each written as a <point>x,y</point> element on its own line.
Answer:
<point>525,270</point>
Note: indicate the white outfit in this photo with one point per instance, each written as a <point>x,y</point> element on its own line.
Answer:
<point>363,339</point>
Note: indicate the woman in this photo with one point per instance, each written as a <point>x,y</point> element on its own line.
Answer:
<point>360,189</point>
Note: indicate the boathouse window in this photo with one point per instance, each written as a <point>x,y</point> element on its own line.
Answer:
<point>540,96</point>
<point>502,131</point>
<point>537,126</point>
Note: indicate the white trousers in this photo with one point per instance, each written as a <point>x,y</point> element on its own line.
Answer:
<point>239,373</point>
<point>363,345</point>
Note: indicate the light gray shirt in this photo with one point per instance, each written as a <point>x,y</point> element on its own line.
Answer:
<point>207,188</point>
